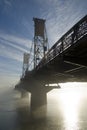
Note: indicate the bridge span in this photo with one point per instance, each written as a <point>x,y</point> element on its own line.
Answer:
<point>66,61</point>
<point>67,58</point>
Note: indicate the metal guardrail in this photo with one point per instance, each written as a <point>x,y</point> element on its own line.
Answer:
<point>78,31</point>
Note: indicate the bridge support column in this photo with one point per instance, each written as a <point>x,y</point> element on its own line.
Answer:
<point>38,92</point>
<point>38,104</point>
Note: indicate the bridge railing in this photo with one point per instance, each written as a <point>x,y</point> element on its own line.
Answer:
<point>78,31</point>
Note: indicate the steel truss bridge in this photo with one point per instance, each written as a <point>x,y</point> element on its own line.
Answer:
<point>66,61</point>
<point>67,58</point>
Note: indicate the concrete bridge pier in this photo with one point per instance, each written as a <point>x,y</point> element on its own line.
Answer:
<point>38,99</point>
<point>38,104</point>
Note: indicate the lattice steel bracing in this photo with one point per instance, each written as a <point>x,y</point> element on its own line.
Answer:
<point>40,40</point>
<point>25,64</point>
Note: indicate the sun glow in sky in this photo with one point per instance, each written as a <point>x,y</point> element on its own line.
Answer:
<point>16,28</point>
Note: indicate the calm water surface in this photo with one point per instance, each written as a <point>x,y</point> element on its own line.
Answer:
<point>66,110</point>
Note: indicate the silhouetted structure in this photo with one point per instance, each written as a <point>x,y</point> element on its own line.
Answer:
<point>65,61</point>
<point>25,64</point>
<point>40,40</point>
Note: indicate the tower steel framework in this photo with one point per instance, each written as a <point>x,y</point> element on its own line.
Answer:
<point>40,40</point>
<point>25,64</point>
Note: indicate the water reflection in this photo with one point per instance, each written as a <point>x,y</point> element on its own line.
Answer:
<point>70,100</point>
<point>65,110</point>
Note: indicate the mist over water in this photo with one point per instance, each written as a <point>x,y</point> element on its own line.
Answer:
<point>66,109</point>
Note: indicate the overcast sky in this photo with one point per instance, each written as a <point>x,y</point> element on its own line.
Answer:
<point>17,29</point>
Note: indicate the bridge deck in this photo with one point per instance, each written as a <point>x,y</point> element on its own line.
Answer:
<point>67,59</point>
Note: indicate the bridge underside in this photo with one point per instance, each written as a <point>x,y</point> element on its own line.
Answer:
<point>70,65</point>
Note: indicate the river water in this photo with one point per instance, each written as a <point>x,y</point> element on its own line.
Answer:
<point>66,109</point>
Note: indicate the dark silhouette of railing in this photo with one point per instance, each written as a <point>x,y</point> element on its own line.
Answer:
<point>77,32</point>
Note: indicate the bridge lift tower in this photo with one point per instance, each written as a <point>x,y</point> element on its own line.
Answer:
<point>40,40</point>
<point>25,64</point>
